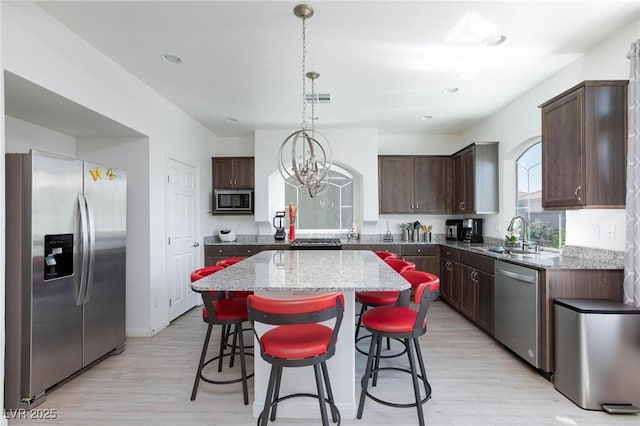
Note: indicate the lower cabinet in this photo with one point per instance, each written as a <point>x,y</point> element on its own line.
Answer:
<point>466,283</point>
<point>450,276</point>
<point>215,252</point>
<point>477,297</point>
<point>424,256</point>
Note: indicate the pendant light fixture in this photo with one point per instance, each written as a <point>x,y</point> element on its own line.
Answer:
<point>305,155</point>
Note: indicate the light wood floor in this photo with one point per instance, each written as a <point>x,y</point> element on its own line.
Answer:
<point>475,382</point>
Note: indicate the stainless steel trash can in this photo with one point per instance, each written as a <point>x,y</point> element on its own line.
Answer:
<point>597,354</point>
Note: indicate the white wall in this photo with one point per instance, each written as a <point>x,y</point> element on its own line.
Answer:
<point>21,136</point>
<point>39,49</point>
<point>355,148</point>
<point>518,124</point>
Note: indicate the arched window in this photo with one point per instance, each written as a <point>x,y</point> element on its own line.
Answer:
<point>330,211</point>
<point>545,227</point>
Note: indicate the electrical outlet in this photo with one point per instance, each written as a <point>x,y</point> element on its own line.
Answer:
<point>611,232</point>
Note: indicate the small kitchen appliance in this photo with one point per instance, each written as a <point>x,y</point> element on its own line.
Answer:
<point>278,223</point>
<point>472,231</point>
<point>453,228</point>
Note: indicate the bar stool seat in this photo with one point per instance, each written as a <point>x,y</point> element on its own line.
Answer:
<point>401,322</point>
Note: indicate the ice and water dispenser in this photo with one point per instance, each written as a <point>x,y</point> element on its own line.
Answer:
<point>58,256</point>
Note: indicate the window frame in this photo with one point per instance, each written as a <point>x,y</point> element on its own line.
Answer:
<point>342,205</point>
<point>558,229</point>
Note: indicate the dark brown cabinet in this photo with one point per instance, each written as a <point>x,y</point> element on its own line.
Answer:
<point>413,184</point>
<point>424,256</point>
<point>584,132</point>
<point>467,284</point>
<point>232,172</point>
<point>450,276</point>
<point>214,253</point>
<point>475,179</point>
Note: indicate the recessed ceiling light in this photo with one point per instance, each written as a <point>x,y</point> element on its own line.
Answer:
<point>426,117</point>
<point>494,40</point>
<point>452,90</point>
<point>171,59</point>
<point>231,119</point>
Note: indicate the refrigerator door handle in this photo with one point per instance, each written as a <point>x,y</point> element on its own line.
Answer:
<point>84,235</point>
<point>92,249</point>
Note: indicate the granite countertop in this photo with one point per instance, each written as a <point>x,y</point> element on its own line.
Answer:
<point>306,270</point>
<point>571,257</point>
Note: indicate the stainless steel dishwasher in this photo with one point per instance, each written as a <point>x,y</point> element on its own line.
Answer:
<point>517,303</point>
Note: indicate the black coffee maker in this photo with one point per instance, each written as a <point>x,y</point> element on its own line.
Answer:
<point>278,223</point>
<point>453,228</point>
<point>472,231</point>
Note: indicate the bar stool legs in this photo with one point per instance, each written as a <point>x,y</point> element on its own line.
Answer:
<point>373,368</point>
<point>226,329</point>
<point>272,397</point>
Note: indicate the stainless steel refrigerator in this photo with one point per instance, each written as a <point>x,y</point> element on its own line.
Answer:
<point>65,270</point>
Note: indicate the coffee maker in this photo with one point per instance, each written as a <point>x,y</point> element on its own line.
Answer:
<point>472,231</point>
<point>453,228</point>
<point>278,223</point>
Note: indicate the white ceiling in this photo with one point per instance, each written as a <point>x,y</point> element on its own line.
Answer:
<point>385,63</point>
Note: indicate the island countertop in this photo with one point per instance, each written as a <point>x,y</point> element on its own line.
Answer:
<point>306,270</point>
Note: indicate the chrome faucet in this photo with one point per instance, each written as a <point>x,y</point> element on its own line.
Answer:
<point>524,229</point>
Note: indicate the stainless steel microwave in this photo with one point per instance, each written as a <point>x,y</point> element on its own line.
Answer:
<point>233,200</point>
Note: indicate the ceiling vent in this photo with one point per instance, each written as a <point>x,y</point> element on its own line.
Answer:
<point>318,98</point>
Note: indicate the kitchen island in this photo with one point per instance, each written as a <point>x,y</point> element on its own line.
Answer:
<point>291,273</point>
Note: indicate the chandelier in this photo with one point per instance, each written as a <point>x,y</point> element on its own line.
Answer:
<point>305,155</point>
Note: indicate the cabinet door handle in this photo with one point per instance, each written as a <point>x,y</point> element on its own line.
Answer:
<point>417,206</point>
<point>411,206</point>
<point>447,266</point>
<point>461,205</point>
<point>235,181</point>
<point>230,181</point>
<point>577,193</point>
<point>419,251</point>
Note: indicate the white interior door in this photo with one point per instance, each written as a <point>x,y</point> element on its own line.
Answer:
<point>183,244</point>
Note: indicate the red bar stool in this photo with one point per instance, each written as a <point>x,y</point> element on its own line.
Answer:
<point>400,265</point>
<point>300,338</point>
<point>226,312</point>
<point>381,298</point>
<point>401,322</point>
<point>229,261</point>
<point>386,255</point>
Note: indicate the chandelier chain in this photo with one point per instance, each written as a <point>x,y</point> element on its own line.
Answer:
<point>303,123</point>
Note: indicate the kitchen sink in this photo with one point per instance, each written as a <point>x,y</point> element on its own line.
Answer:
<point>519,253</point>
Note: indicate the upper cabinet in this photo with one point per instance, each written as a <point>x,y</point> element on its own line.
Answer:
<point>584,133</point>
<point>232,172</point>
<point>475,179</point>
<point>413,184</point>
